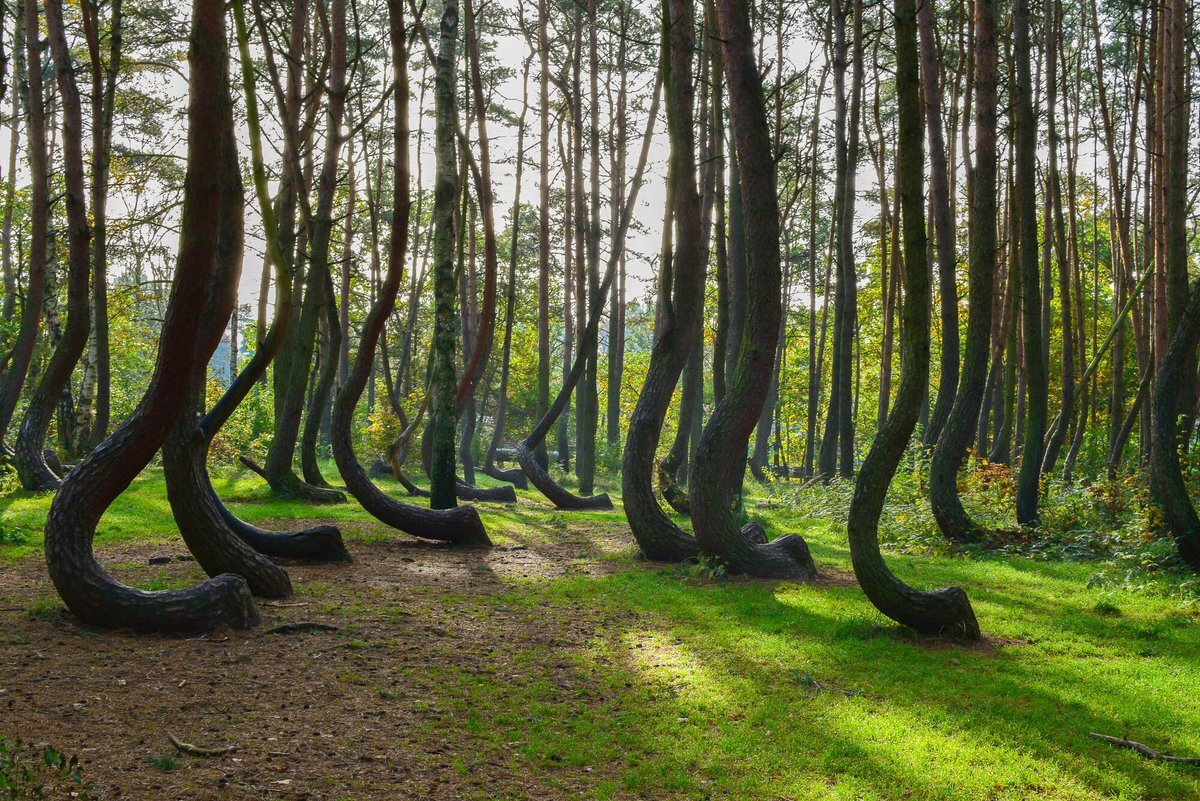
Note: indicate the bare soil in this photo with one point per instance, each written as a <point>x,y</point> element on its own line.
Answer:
<point>360,712</point>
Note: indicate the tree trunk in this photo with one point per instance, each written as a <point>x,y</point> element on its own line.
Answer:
<point>295,362</point>
<point>443,410</point>
<point>216,547</point>
<point>525,449</point>
<point>1028,479</point>
<point>39,214</point>
<point>461,525</point>
<point>948,456</point>
<point>104,95</point>
<point>30,460</point>
<point>681,299</point>
<point>943,223</point>
<point>88,590</point>
<point>717,470</point>
<point>947,611</point>
<point>513,475</point>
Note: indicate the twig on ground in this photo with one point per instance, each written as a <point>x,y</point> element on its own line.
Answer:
<point>198,751</point>
<point>1144,750</point>
<point>301,628</point>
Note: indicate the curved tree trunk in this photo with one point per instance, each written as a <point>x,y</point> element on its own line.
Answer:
<point>88,590</point>
<point>461,525</point>
<point>511,475</point>
<point>947,611</point>
<point>189,459</point>
<point>104,95</point>
<point>216,548</point>
<point>951,448</point>
<point>717,469</point>
<point>278,469</point>
<point>39,214</point>
<point>31,463</point>
<point>526,449</point>
<point>681,302</point>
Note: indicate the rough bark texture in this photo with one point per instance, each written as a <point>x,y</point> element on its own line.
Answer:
<point>32,469</point>
<point>951,448</point>
<point>1166,479</point>
<point>947,611</point>
<point>460,525</point>
<point>1028,479</point>
<point>443,409</point>
<point>88,590</point>
<point>717,469</point>
<point>681,301</point>
<point>216,548</point>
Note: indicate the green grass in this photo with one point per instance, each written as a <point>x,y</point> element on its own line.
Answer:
<point>696,687</point>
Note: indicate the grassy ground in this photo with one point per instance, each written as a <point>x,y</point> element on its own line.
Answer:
<point>685,684</point>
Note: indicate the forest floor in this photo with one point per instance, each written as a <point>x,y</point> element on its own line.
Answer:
<point>559,665</point>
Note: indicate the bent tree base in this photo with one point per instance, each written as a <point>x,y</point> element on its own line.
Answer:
<point>89,591</point>
<point>557,494</point>
<point>945,612</point>
<point>290,486</point>
<point>461,525</point>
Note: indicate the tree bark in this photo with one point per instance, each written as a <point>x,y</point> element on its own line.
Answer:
<point>943,223</point>
<point>681,300</point>
<point>1028,479</point>
<point>443,411</point>
<point>716,472</point>
<point>39,214</point>
<point>294,370</point>
<point>88,590</point>
<point>948,456</point>
<point>32,469</point>
<point>945,612</point>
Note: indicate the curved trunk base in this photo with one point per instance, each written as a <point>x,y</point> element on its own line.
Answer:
<point>460,526</point>
<point>555,493</point>
<point>785,558</point>
<point>321,543</point>
<point>98,599</point>
<point>106,603</point>
<point>467,492</point>
<point>955,523</point>
<point>33,470</point>
<point>291,487</point>
<point>943,613</point>
<point>215,545</point>
<point>513,476</point>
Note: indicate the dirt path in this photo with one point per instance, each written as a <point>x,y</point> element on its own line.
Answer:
<point>361,712</point>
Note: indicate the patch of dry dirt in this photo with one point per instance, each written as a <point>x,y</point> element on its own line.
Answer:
<point>354,714</point>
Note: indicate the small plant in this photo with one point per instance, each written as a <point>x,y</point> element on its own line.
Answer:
<point>707,567</point>
<point>26,773</point>
<point>12,536</point>
<point>164,763</point>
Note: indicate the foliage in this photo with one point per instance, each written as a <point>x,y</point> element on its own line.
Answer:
<point>28,772</point>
